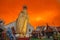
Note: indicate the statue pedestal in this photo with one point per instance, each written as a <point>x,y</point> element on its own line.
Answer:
<point>23,38</point>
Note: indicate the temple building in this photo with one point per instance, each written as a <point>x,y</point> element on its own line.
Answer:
<point>2,24</point>
<point>22,25</point>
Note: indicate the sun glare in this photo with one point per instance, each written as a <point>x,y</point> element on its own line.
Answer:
<point>38,19</point>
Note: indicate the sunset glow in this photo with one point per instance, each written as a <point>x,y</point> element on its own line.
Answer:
<point>40,11</point>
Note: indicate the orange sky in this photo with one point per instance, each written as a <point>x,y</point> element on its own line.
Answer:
<point>40,11</point>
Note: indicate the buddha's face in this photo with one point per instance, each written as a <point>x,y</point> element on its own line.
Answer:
<point>25,10</point>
